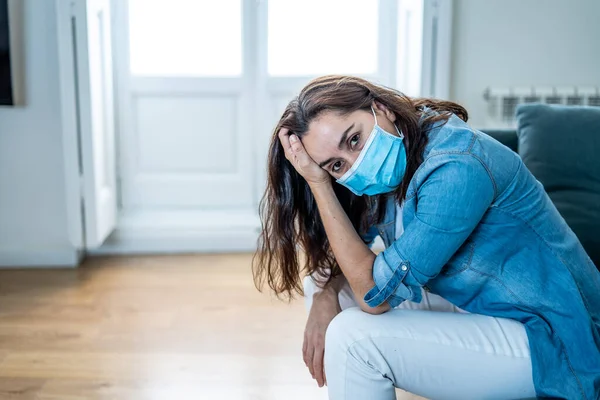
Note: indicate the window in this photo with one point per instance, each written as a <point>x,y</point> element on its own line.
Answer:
<point>185,38</point>
<point>316,37</point>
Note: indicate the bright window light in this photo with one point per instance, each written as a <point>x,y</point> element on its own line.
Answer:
<point>314,37</point>
<point>185,37</point>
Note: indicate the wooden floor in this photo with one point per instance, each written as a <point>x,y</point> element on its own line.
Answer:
<point>160,327</point>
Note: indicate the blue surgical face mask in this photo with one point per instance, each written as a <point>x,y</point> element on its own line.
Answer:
<point>380,166</point>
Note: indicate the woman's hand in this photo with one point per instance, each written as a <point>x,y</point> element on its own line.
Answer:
<point>302,162</point>
<point>324,308</point>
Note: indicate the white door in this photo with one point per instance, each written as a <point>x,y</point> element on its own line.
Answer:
<point>201,85</point>
<point>185,82</point>
<point>86,71</point>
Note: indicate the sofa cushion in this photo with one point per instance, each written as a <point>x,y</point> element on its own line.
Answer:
<point>561,147</point>
<point>507,137</point>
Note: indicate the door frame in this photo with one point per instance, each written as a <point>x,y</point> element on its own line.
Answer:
<point>65,19</point>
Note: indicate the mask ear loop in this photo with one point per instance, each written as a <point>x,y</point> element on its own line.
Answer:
<point>400,134</point>
<point>374,115</point>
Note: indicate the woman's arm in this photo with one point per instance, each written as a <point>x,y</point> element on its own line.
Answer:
<point>351,253</point>
<point>453,194</point>
<point>335,285</point>
<point>353,256</point>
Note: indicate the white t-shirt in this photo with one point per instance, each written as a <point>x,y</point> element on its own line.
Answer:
<point>399,225</point>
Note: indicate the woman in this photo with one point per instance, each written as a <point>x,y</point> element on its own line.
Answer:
<point>483,291</point>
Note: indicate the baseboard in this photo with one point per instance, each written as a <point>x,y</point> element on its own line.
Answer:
<point>41,258</point>
<point>182,231</point>
<point>178,241</point>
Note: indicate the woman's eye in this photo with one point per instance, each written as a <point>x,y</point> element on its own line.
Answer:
<point>336,166</point>
<point>354,141</point>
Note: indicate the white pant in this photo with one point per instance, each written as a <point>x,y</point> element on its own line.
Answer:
<point>431,348</point>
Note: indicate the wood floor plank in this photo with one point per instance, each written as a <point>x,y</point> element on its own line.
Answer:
<point>20,388</point>
<point>150,327</point>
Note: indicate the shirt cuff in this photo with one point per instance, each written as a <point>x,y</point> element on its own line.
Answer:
<point>389,282</point>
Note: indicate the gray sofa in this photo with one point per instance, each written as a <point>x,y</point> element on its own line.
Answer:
<point>560,145</point>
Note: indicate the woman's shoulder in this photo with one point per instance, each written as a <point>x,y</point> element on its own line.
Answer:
<point>458,143</point>
<point>444,170</point>
<point>450,137</point>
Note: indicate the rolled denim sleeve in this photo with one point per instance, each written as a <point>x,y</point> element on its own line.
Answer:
<point>452,197</point>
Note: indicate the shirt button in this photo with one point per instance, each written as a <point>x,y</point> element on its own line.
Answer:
<point>404,268</point>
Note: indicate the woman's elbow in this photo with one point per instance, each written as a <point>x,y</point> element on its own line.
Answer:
<point>380,309</point>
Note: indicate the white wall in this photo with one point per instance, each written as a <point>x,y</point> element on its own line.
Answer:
<point>33,215</point>
<point>519,43</point>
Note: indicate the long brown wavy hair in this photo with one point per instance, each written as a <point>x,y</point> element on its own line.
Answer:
<point>293,239</point>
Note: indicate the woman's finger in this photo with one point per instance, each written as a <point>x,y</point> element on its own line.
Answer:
<point>318,365</point>
<point>284,139</point>
<point>302,158</point>
<point>311,352</point>
<point>305,350</point>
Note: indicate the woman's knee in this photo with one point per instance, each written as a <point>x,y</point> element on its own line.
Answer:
<point>343,329</point>
<point>348,339</point>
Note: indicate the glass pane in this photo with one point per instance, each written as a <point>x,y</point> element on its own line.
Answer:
<point>314,37</point>
<point>410,46</point>
<point>185,37</point>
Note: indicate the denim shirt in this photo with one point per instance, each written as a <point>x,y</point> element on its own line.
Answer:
<point>480,231</point>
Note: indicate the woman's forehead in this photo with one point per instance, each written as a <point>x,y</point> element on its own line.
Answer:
<point>331,123</point>
<point>324,133</point>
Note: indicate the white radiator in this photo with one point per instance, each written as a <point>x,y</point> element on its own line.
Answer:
<point>502,102</point>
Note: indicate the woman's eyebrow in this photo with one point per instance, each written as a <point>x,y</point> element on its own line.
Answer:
<point>340,145</point>
<point>324,163</point>
<point>344,136</point>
